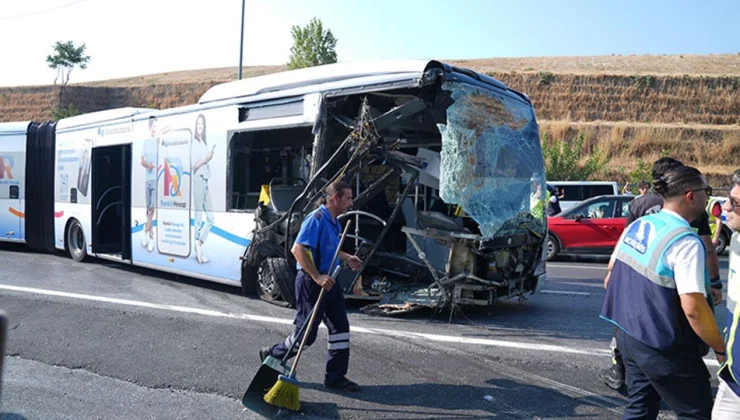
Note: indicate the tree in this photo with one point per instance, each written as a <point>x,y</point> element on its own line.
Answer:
<point>62,112</point>
<point>564,160</point>
<point>66,57</point>
<point>312,46</point>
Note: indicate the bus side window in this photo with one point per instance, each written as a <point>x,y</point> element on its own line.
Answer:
<point>258,158</point>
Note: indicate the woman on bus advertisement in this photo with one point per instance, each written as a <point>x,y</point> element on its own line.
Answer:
<point>201,155</point>
<point>149,162</point>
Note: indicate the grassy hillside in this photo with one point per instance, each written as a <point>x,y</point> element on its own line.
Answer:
<point>631,107</point>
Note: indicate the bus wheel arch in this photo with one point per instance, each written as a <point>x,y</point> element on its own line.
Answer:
<point>74,240</point>
<point>249,278</point>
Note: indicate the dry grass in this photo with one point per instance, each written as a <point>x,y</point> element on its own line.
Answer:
<point>712,149</point>
<point>657,65</point>
<point>225,74</point>
<point>666,99</point>
<point>630,107</point>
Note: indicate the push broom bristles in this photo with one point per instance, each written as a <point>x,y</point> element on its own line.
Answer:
<point>285,393</point>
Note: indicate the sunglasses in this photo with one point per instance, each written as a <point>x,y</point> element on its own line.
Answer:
<point>707,190</point>
<point>733,204</point>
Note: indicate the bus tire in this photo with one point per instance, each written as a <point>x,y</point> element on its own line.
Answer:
<point>249,279</point>
<point>75,241</point>
<point>276,282</point>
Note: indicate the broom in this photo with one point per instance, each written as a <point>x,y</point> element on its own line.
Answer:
<point>285,392</point>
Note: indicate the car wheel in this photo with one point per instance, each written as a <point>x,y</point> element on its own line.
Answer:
<point>722,245</point>
<point>553,246</point>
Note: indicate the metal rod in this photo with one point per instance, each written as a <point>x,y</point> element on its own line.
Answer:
<point>357,217</point>
<point>385,230</point>
<point>241,42</point>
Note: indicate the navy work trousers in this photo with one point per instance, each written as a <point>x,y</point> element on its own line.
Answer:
<point>334,314</point>
<point>678,378</point>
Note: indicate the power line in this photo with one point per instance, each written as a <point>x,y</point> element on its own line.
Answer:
<point>38,12</point>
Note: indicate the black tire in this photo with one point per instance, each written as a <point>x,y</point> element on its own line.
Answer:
<point>75,242</point>
<point>276,282</point>
<point>249,279</point>
<point>553,246</point>
<point>723,241</point>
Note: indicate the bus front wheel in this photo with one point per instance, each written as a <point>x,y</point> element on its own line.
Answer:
<point>76,244</point>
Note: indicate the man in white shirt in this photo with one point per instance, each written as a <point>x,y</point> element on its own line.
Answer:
<point>656,294</point>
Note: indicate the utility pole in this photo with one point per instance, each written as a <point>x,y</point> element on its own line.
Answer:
<point>241,43</point>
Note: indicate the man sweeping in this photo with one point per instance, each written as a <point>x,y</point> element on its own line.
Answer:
<point>314,250</point>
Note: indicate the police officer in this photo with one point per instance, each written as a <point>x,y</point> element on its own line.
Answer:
<point>656,290</point>
<point>314,250</point>
<point>650,203</point>
<point>553,207</point>
<point>727,403</point>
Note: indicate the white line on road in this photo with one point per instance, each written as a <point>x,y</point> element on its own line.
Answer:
<point>358,329</point>
<point>578,266</point>
<point>564,292</point>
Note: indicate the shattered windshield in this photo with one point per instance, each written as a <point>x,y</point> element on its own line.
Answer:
<point>492,163</point>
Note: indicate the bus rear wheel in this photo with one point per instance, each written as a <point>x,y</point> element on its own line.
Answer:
<point>76,244</point>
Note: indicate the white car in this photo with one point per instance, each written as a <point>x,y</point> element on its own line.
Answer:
<point>578,191</point>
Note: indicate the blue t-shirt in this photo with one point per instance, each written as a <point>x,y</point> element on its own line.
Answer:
<point>320,231</point>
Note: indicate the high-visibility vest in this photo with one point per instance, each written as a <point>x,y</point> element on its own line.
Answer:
<point>538,205</point>
<point>641,296</point>
<point>712,220</point>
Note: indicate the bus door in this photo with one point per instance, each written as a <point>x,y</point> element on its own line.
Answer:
<point>111,200</point>
<point>11,172</point>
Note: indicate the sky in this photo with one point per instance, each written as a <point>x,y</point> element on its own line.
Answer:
<point>139,37</point>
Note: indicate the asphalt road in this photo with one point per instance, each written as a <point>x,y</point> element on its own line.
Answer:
<point>105,341</point>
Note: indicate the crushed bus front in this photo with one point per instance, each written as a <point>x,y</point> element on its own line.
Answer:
<point>448,181</point>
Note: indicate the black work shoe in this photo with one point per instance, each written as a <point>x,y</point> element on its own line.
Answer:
<point>613,377</point>
<point>264,352</point>
<point>342,384</point>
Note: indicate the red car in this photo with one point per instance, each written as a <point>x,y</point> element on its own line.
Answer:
<point>590,227</point>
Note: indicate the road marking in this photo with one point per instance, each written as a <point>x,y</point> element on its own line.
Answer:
<point>564,292</point>
<point>379,331</point>
<point>589,267</point>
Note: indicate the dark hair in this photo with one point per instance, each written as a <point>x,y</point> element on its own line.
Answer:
<point>663,165</point>
<point>677,181</point>
<point>643,184</point>
<point>736,178</point>
<point>336,187</point>
<point>195,131</point>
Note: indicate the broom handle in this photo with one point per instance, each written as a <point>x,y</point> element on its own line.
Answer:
<point>318,301</point>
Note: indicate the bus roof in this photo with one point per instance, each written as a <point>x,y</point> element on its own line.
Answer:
<point>339,75</point>
<point>100,117</point>
<point>14,128</point>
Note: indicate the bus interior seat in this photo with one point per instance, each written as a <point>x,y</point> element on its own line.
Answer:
<point>438,221</point>
<point>282,196</point>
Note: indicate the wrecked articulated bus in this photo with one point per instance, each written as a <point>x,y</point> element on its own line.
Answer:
<point>447,172</point>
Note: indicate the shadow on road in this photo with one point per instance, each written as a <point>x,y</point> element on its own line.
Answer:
<point>505,398</point>
<point>11,416</point>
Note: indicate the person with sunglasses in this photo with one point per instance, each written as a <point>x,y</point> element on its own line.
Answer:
<point>651,203</point>
<point>727,402</point>
<point>656,296</point>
